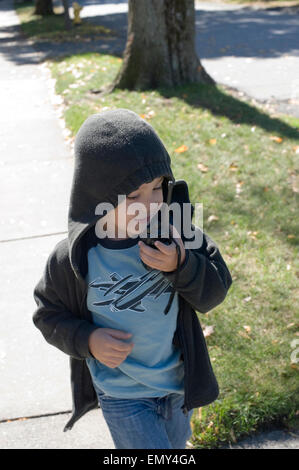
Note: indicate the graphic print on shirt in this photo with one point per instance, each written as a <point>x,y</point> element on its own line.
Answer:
<point>127,292</point>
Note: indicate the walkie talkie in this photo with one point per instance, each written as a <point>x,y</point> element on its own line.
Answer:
<point>148,240</point>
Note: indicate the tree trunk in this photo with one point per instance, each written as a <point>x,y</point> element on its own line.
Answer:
<point>67,20</point>
<point>160,49</point>
<point>43,7</point>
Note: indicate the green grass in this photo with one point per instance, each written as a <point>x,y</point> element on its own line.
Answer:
<point>256,230</point>
<point>51,28</point>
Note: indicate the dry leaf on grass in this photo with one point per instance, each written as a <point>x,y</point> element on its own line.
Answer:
<point>181,149</point>
<point>202,167</point>
<point>208,330</point>
<point>213,217</point>
<point>276,138</point>
<point>233,167</point>
<point>243,334</point>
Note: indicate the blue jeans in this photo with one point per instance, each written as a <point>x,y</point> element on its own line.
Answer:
<point>146,423</point>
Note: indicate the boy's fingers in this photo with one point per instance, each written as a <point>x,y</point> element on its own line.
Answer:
<point>167,249</point>
<point>118,345</point>
<point>153,262</point>
<point>150,251</point>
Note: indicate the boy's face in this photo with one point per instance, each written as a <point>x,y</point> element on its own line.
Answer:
<point>146,194</point>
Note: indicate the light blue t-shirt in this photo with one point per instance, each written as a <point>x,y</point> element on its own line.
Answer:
<point>124,295</point>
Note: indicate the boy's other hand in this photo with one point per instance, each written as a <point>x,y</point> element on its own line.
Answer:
<point>165,258</point>
<point>105,345</point>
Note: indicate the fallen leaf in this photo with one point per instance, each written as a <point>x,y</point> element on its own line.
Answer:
<point>208,330</point>
<point>202,167</point>
<point>252,235</point>
<point>238,188</point>
<point>233,167</point>
<point>213,217</point>
<point>181,149</point>
<point>243,334</point>
<point>276,138</point>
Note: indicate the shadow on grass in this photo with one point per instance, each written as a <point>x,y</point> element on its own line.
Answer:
<point>221,104</point>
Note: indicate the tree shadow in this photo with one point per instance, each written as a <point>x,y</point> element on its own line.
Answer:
<point>221,104</point>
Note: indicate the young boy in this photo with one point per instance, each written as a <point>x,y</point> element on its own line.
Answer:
<point>103,301</point>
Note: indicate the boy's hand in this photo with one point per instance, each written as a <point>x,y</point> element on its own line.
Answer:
<point>165,258</point>
<point>104,346</point>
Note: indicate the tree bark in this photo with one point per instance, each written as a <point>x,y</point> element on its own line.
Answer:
<point>67,20</point>
<point>160,49</point>
<point>43,7</point>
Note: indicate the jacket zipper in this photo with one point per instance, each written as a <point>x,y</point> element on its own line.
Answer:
<point>83,299</point>
<point>184,406</point>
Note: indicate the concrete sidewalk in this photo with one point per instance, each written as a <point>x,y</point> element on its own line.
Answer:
<point>36,171</point>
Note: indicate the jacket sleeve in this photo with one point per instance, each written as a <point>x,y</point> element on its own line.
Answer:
<point>204,278</point>
<point>59,326</point>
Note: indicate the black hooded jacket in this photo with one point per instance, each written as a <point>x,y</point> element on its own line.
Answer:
<point>116,151</point>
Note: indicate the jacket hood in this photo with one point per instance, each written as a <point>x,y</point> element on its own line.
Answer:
<point>115,152</point>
